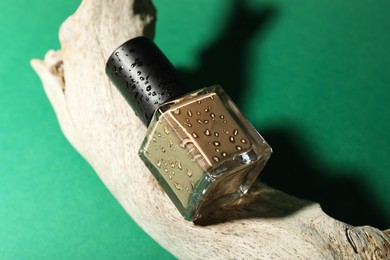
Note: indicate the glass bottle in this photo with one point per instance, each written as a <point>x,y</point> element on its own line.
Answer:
<point>200,148</point>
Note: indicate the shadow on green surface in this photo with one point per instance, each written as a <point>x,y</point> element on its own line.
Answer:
<point>225,60</point>
<point>291,168</point>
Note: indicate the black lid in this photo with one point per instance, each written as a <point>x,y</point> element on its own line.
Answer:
<point>144,76</point>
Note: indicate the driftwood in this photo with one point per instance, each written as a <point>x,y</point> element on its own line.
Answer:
<point>97,121</point>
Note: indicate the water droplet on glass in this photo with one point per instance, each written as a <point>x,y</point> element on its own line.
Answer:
<point>224,154</point>
<point>243,141</point>
<point>222,116</point>
<point>197,158</point>
<point>149,88</point>
<point>171,143</point>
<point>216,143</point>
<point>138,73</point>
<point>198,113</point>
<point>226,131</point>
<point>215,158</point>
<point>207,132</point>
<point>207,109</point>
<point>188,124</point>
<point>166,130</point>
<point>195,135</point>
<point>224,121</point>
<point>185,142</point>
<point>163,149</point>
<point>159,134</point>
<point>154,139</point>
<point>199,102</point>
<point>206,121</point>
<point>178,163</point>
<point>189,172</point>
<point>235,132</point>
<point>189,113</point>
<point>238,148</point>
<point>217,150</point>
<point>159,163</point>
<point>231,139</point>
<point>117,55</point>
<point>199,121</point>
<point>172,165</point>
<point>176,111</point>
<point>170,176</point>
<point>177,186</point>
<point>216,134</point>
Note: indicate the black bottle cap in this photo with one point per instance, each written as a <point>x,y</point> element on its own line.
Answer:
<point>144,76</point>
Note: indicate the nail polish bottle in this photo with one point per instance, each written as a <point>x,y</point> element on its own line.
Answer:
<point>198,145</point>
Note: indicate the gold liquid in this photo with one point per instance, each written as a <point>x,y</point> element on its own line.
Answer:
<point>174,159</point>
<point>187,144</point>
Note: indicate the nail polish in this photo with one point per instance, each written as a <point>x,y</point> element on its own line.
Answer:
<point>198,145</point>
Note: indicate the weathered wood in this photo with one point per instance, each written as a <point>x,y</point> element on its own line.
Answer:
<point>97,121</point>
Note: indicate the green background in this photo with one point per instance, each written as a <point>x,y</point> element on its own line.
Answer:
<point>312,76</point>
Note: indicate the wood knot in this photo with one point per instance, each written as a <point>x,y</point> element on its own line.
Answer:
<point>57,69</point>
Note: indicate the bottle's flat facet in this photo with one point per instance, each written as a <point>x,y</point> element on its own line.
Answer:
<point>202,149</point>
